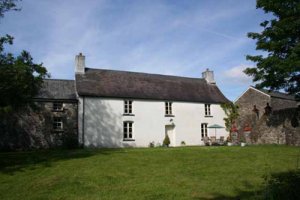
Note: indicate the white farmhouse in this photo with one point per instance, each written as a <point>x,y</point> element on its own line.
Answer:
<point>128,109</point>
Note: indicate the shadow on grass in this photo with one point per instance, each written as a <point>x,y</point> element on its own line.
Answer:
<point>11,162</point>
<point>278,186</point>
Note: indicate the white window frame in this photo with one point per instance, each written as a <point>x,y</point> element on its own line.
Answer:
<point>207,109</point>
<point>168,108</point>
<point>128,131</point>
<point>58,123</point>
<point>204,131</point>
<point>128,107</point>
<point>57,106</point>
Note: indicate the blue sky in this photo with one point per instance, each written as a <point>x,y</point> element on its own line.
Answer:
<point>166,37</point>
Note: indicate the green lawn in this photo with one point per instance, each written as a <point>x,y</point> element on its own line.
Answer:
<point>155,173</point>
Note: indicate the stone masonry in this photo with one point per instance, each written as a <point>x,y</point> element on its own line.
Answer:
<point>32,128</point>
<point>277,123</point>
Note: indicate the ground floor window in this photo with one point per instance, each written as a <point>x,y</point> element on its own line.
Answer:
<point>128,130</point>
<point>203,130</point>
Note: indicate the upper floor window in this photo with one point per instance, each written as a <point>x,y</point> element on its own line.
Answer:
<point>57,123</point>
<point>57,106</point>
<point>203,130</point>
<point>128,130</point>
<point>207,109</point>
<point>168,107</point>
<point>127,107</point>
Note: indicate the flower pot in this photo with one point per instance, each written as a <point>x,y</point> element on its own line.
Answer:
<point>229,144</point>
<point>243,144</point>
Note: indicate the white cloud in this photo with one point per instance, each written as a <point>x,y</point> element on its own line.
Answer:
<point>236,74</point>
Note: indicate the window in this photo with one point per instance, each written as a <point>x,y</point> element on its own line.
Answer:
<point>168,106</point>
<point>57,123</point>
<point>57,106</point>
<point>207,109</point>
<point>127,107</point>
<point>127,130</point>
<point>203,130</point>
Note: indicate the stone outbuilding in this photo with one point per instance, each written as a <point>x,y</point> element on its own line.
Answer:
<point>50,122</point>
<point>271,116</point>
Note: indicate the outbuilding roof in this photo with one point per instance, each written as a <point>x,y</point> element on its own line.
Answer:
<point>280,95</point>
<point>123,84</point>
<point>57,89</point>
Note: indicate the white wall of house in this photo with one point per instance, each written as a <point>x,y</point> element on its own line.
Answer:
<point>103,122</point>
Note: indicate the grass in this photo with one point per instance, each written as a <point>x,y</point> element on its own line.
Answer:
<point>155,173</point>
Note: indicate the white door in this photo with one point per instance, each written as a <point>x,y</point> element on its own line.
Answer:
<point>171,133</point>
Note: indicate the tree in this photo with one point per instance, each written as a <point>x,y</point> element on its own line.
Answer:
<point>20,78</point>
<point>280,69</point>
<point>7,5</point>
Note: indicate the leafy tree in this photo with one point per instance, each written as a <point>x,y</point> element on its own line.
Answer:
<point>20,78</point>
<point>7,5</point>
<point>231,112</point>
<point>280,69</point>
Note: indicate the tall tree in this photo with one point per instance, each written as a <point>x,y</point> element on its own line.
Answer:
<point>20,77</point>
<point>280,68</point>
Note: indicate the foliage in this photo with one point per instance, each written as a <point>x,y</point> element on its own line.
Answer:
<point>182,143</point>
<point>166,141</point>
<point>231,111</point>
<point>284,186</point>
<point>20,77</point>
<point>152,144</point>
<point>280,69</point>
<point>7,5</point>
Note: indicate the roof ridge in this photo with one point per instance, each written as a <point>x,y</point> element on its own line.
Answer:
<point>143,73</point>
<point>54,79</point>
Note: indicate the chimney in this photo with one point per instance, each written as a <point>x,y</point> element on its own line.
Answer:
<point>80,64</point>
<point>209,76</point>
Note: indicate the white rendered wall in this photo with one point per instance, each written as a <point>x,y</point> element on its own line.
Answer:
<point>103,122</point>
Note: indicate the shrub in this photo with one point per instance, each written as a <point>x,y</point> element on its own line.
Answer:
<point>151,144</point>
<point>284,186</point>
<point>166,141</point>
<point>182,143</point>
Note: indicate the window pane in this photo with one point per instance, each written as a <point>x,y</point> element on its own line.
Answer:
<point>125,135</point>
<point>130,135</point>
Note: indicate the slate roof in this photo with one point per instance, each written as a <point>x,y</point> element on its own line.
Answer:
<point>121,84</point>
<point>279,95</point>
<point>57,90</point>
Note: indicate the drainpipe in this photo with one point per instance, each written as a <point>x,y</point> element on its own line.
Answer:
<point>83,113</point>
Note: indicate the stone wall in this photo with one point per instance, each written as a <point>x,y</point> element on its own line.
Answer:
<point>32,128</point>
<point>280,127</point>
<point>246,104</point>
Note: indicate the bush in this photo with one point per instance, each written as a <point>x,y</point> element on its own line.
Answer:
<point>182,143</point>
<point>284,186</point>
<point>166,141</point>
<point>151,144</point>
